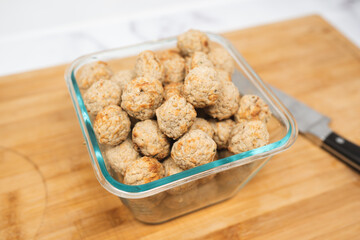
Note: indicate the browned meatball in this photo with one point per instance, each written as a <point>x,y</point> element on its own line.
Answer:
<point>248,135</point>
<point>149,66</point>
<point>142,97</point>
<point>175,88</point>
<point>92,72</point>
<point>101,94</point>
<point>223,75</point>
<point>198,59</point>
<point>195,148</point>
<point>193,41</point>
<point>201,87</point>
<point>222,132</point>
<point>120,156</point>
<point>174,66</point>
<point>111,125</point>
<point>227,103</point>
<point>123,77</point>
<point>252,107</point>
<point>143,170</point>
<point>175,116</point>
<point>222,59</point>
<point>150,140</point>
<point>203,125</point>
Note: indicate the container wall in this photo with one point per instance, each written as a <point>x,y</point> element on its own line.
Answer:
<point>173,197</point>
<point>192,196</point>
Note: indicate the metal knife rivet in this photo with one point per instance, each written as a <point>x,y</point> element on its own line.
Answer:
<point>339,140</point>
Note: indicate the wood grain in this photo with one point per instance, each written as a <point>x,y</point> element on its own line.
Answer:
<point>48,189</point>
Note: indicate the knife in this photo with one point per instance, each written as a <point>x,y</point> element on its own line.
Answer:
<point>313,125</point>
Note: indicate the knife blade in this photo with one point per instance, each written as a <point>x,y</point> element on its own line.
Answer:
<point>312,124</point>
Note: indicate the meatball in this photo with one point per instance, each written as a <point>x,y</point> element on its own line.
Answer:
<point>170,169</point>
<point>222,59</point>
<point>193,41</point>
<point>123,77</point>
<point>248,135</point>
<point>143,170</point>
<point>181,201</point>
<point>253,107</point>
<point>203,125</point>
<point>223,76</point>
<point>101,94</point>
<point>195,148</point>
<point>120,156</point>
<point>201,87</point>
<point>174,66</point>
<point>222,132</point>
<point>111,125</point>
<point>93,72</point>
<point>149,66</point>
<point>150,140</point>
<point>175,116</point>
<point>142,97</point>
<point>198,59</point>
<point>227,104</point>
<point>175,88</point>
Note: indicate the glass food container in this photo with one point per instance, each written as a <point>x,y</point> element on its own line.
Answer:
<point>196,188</point>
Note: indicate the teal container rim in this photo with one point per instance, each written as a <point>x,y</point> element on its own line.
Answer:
<point>139,191</point>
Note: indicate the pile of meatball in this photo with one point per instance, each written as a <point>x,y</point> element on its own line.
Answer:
<point>173,111</point>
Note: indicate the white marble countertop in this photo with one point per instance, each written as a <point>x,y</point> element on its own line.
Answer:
<point>40,33</point>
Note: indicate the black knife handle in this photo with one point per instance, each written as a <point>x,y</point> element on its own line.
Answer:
<point>343,149</point>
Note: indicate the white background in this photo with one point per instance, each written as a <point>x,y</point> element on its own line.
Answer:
<point>40,33</point>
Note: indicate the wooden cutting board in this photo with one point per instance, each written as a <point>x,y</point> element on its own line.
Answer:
<point>48,189</point>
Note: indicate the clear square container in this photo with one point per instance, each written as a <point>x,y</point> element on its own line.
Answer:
<point>196,188</point>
